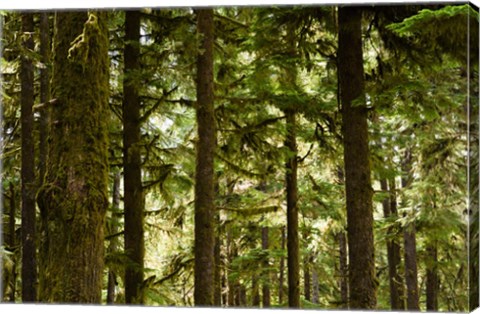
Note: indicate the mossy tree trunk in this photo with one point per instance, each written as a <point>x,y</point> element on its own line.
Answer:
<point>44,92</point>
<point>29,256</point>
<point>357,163</point>
<point>132,163</point>
<point>74,195</point>
<point>204,174</point>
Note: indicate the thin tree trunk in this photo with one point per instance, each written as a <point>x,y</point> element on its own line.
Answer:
<point>432,277</point>
<point>44,93</point>
<point>292,214</point>
<point>410,246</point>
<point>255,292</point>
<point>393,249</point>
<point>74,195</point>
<point>217,301</point>
<point>114,243</point>
<point>357,163</point>
<point>342,250</point>
<point>204,175</point>
<point>132,164</point>
<point>29,258</point>
<point>315,286</point>
<point>306,278</point>
<point>45,47</point>
<point>266,271</point>
<point>12,243</point>
<point>281,270</point>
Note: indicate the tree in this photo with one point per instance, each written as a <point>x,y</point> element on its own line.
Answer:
<point>132,163</point>
<point>29,258</point>
<point>204,174</point>
<point>356,155</point>
<point>74,195</point>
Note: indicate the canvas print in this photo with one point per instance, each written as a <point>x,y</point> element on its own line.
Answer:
<point>286,157</point>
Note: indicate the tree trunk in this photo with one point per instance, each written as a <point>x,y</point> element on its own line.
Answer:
<point>306,277</point>
<point>29,258</point>
<point>44,92</point>
<point>432,277</point>
<point>357,164</point>
<point>410,246</point>
<point>342,248</point>
<point>114,243</point>
<point>292,214</point>
<point>393,248</point>
<point>315,286</point>
<point>281,270</point>
<point>12,244</point>
<point>217,300</point>
<point>134,201</point>
<point>255,292</point>
<point>204,182</point>
<point>74,195</point>
<point>266,271</point>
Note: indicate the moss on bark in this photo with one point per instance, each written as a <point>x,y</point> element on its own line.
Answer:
<point>74,194</point>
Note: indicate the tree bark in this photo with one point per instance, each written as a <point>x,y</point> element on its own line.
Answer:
<point>29,258</point>
<point>432,277</point>
<point>134,201</point>
<point>410,246</point>
<point>266,271</point>
<point>114,243</point>
<point>393,248</point>
<point>74,194</point>
<point>293,264</point>
<point>204,182</point>
<point>357,164</point>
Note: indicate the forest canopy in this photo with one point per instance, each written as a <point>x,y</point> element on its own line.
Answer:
<point>309,156</point>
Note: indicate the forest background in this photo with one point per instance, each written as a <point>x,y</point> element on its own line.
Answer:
<point>275,75</point>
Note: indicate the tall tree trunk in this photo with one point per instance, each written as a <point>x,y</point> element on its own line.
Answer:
<point>393,249</point>
<point>357,164</point>
<point>132,163</point>
<point>281,269</point>
<point>410,245</point>
<point>74,195</point>
<point>114,243</point>
<point>266,271</point>
<point>432,277</point>
<point>204,182</point>
<point>342,250</point>
<point>292,214</point>
<point>29,258</point>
